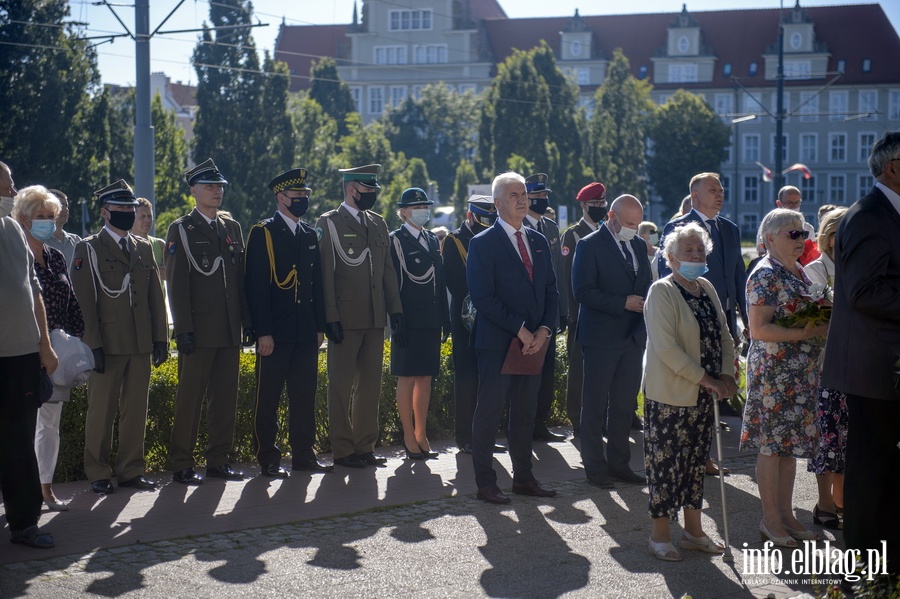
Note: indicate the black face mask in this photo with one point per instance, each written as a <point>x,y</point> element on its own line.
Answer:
<point>540,205</point>
<point>298,206</point>
<point>477,227</point>
<point>123,221</point>
<point>597,213</point>
<point>366,200</point>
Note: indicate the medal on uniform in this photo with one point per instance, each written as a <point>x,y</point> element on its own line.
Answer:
<point>350,251</point>
<point>417,260</point>
<point>205,262</point>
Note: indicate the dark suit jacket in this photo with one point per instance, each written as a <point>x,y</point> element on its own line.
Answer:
<point>726,264</point>
<point>501,291</point>
<point>864,338</point>
<point>570,240</point>
<point>424,305</point>
<point>602,281</point>
<point>455,269</point>
<point>550,230</point>
<point>294,314</point>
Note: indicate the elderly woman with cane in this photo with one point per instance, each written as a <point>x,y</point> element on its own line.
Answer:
<point>689,362</point>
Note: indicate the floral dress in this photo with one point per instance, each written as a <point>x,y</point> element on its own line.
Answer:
<point>783,377</point>
<point>677,438</point>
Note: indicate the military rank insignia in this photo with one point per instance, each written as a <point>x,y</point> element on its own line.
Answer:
<point>319,233</point>
<point>173,247</point>
<point>77,263</point>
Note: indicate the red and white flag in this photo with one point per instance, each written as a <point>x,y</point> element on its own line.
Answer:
<point>799,167</point>
<point>767,172</point>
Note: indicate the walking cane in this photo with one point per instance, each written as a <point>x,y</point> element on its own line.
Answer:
<point>727,556</point>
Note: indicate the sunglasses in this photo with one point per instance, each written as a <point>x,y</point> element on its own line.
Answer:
<point>795,235</point>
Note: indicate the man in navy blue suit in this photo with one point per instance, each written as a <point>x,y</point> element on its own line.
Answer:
<point>513,288</point>
<point>610,278</point>
<point>726,264</point>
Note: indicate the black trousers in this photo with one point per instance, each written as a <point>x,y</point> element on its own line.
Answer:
<point>493,388</point>
<point>871,481</point>
<point>547,389</point>
<point>465,382</point>
<point>19,478</point>
<point>294,364</point>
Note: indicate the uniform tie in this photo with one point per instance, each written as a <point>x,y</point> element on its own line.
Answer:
<point>123,243</point>
<point>422,239</point>
<point>628,258</point>
<point>523,251</point>
<point>362,218</point>
<point>715,234</point>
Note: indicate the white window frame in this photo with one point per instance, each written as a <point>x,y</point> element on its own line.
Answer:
<point>583,76</point>
<point>809,111</point>
<point>838,105</point>
<point>398,94</point>
<point>747,148</point>
<point>356,93</point>
<point>410,20</point>
<point>808,189</point>
<point>376,99</point>
<point>868,102</point>
<point>682,72</point>
<point>797,69</point>
<point>724,105</point>
<point>809,153</point>
<point>834,147</point>
<point>389,55</point>
<point>894,104</point>
<point>866,183</point>
<point>749,223</point>
<point>430,54</point>
<point>750,193</point>
<point>837,186</point>
<point>865,141</point>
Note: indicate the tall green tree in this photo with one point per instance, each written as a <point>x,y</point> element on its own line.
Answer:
<point>170,153</point>
<point>688,138</point>
<point>332,94</point>
<point>369,145</point>
<point>515,116</point>
<point>49,85</point>
<point>437,127</point>
<point>316,147</point>
<point>622,110</point>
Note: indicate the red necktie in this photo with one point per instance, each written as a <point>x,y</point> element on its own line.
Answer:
<point>523,251</point>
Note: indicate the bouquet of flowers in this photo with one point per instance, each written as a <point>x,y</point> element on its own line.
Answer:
<point>814,307</point>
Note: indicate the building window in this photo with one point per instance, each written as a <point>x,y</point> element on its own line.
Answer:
<point>842,66</point>
<point>575,48</point>
<point>868,103</point>
<point>866,141</point>
<point>753,70</point>
<point>796,40</point>
<point>398,94</point>
<point>407,20</point>
<point>836,186</point>
<point>749,226</point>
<point>356,92</point>
<point>432,54</point>
<point>752,105</point>
<point>683,44</point>
<point>837,105</point>
<point>683,72</point>
<point>417,91</point>
<point>838,144</point>
<point>809,107</point>
<point>867,65</point>
<point>726,70</point>
<point>390,54</point>
<point>784,149</point>
<point>809,148</point>
<point>751,148</point>
<point>376,100</point>
<point>797,69</point>
<point>894,109</point>
<point>724,105</point>
<point>751,190</point>
<point>866,183</point>
<point>808,189</point>
<point>726,188</point>
<point>642,72</point>
<point>584,76</point>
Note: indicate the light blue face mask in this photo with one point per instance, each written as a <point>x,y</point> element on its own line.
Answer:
<point>42,230</point>
<point>692,270</point>
<point>420,216</point>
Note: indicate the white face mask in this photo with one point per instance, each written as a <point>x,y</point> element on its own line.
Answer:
<point>654,239</point>
<point>6,205</point>
<point>627,234</point>
<point>420,216</point>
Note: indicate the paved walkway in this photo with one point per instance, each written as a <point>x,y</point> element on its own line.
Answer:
<point>409,529</point>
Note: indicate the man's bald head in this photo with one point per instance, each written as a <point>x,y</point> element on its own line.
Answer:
<point>628,211</point>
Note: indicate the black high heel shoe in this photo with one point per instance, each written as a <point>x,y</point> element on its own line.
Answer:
<point>413,455</point>
<point>827,519</point>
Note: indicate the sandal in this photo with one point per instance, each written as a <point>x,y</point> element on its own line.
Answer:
<point>664,551</point>
<point>827,519</point>
<point>787,541</point>
<point>704,544</point>
<point>803,535</point>
<point>34,537</point>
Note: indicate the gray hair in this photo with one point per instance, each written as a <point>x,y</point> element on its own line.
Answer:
<point>501,180</point>
<point>672,242</point>
<point>885,149</point>
<point>32,198</point>
<point>777,219</point>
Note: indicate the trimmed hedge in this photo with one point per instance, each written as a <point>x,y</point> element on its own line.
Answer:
<point>160,414</point>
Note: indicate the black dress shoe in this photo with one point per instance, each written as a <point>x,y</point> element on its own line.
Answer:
<point>499,449</point>
<point>273,471</point>
<point>636,423</point>
<point>187,477</point>
<point>601,481</point>
<point>370,459</point>
<point>311,465</point>
<point>629,477</point>
<point>350,461</point>
<point>225,472</point>
<point>492,494</point>
<point>542,433</point>
<point>138,482</point>
<point>466,448</point>
<point>102,486</point>
<point>533,488</point>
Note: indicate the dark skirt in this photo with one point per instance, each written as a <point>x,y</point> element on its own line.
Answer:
<point>831,421</point>
<point>420,357</point>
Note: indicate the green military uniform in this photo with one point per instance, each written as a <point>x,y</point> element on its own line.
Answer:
<point>360,289</point>
<point>205,285</point>
<point>124,314</point>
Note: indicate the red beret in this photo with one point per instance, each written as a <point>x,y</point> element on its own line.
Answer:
<point>591,191</point>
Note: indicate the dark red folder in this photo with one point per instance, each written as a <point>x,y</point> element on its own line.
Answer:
<point>517,363</point>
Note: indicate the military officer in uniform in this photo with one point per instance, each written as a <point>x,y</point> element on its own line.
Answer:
<point>538,202</point>
<point>116,281</point>
<point>592,198</point>
<point>284,292</point>
<point>360,288</point>
<point>205,284</point>
<point>481,214</point>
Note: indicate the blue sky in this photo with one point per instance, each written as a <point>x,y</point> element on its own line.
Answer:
<point>172,53</point>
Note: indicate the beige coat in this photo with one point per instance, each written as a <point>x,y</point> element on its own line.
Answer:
<point>672,369</point>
